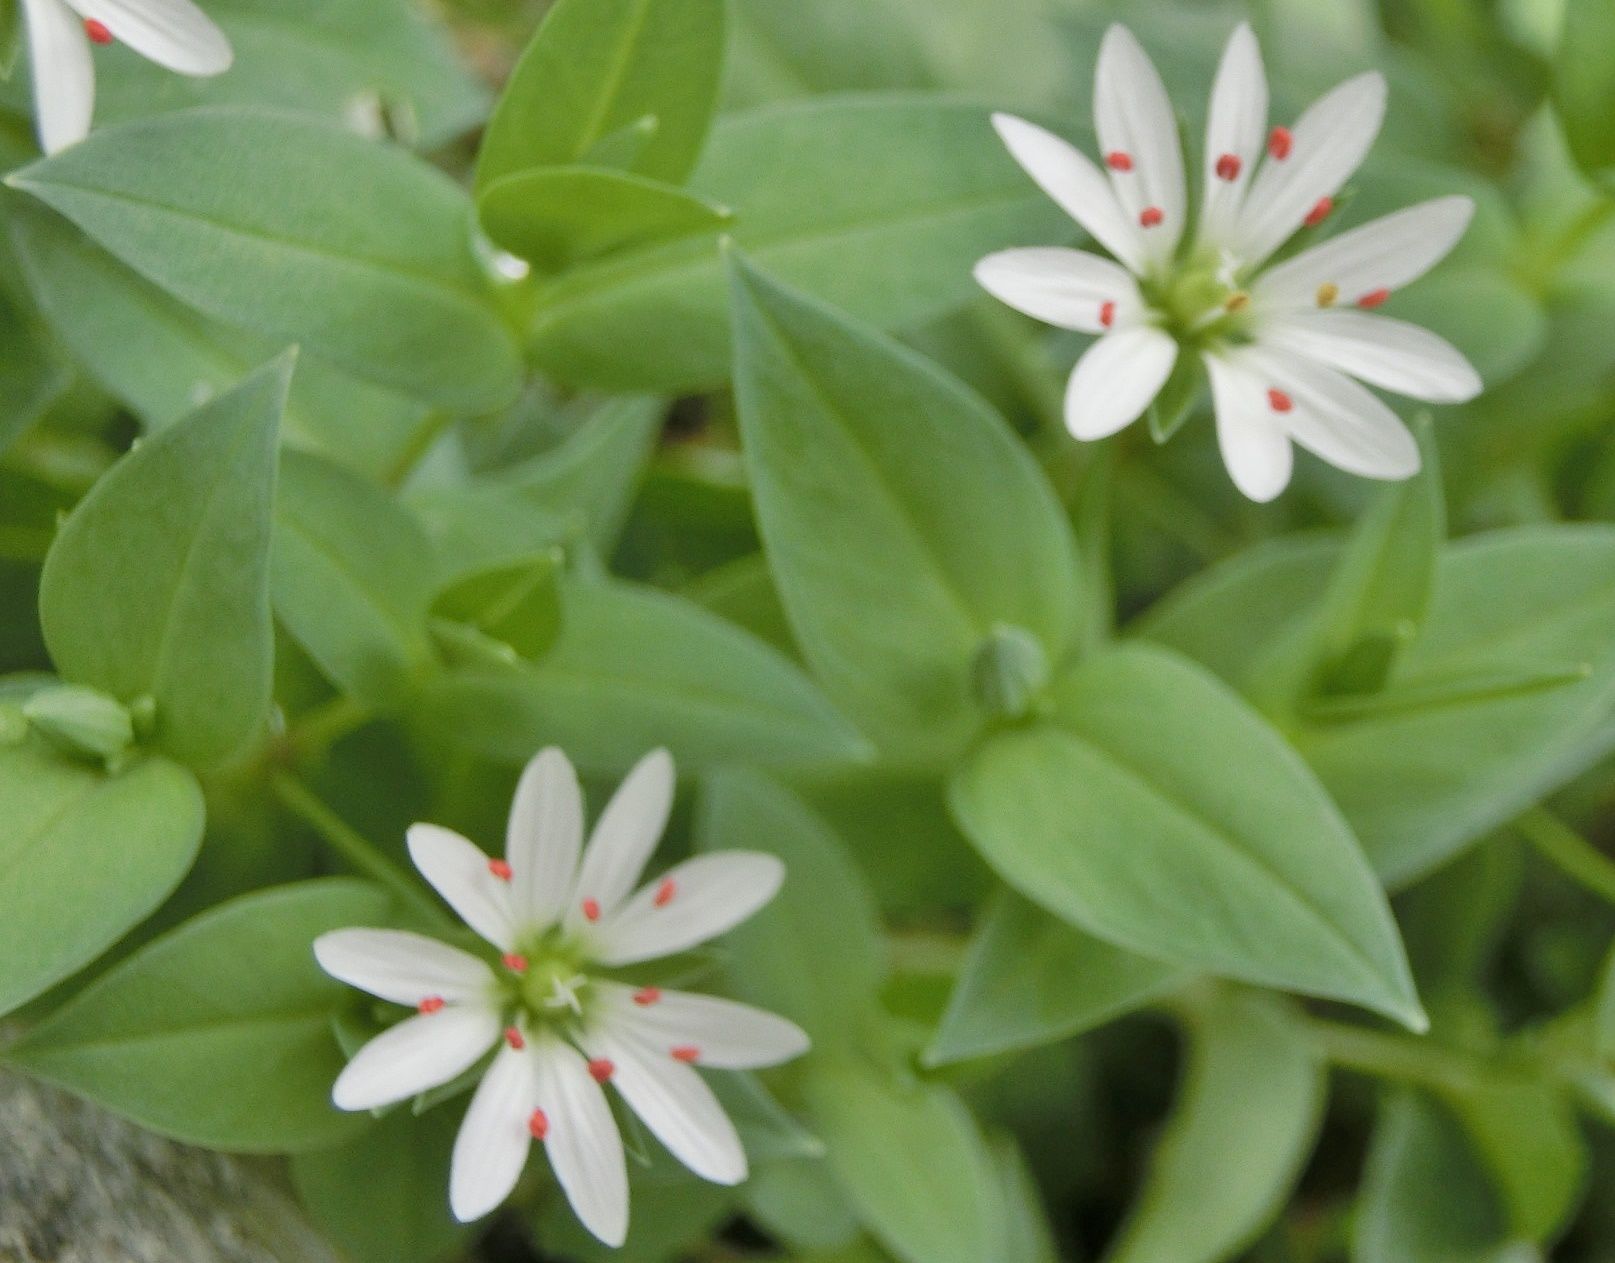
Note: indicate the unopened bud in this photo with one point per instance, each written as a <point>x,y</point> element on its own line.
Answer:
<point>83,721</point>
<point>1010,671</point>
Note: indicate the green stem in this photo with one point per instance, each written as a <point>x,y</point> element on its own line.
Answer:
<point>430,429</point>
<point>345,842</point>
<point>318,729</point>
<point>1397,1057</point>
<point>1569,852</point>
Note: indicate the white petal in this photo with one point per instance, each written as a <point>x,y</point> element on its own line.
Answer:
<point>624,836</point>
<point>1076,184</point>
<point>458,870</point>
<point>491,1149</point>
<point>403,967</point>
<point>63,71</point>
<point>727,1036</point>
<point>691,903</point>
<point>1383,254</point>
<point>544,839</point>
<point>1329,142</point>
<point>583,1144</point>
<point>1069,288</point>
<point>674,1102</point>
<point>1335,418</point>
<point>1116,379</point>
<point>1236,126</point>
<point>1390,354</point>
<point>173,33</point>
<point>1133,115</point>
<point>418,1054</point>
<point>1255,447</point>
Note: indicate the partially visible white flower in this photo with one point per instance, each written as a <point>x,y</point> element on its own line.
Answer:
<point>559,915</point>
<point>173,33</point>
<point>1281,345</point>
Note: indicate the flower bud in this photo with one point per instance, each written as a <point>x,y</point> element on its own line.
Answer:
<point>1009,673</point>
<point>83,721</point>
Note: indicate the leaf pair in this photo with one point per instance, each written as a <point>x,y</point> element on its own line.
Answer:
<point>905,526</point>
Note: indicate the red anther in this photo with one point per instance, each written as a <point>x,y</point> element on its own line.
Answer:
<point>689,1054</point>
<point>591,909</point>
<point>1150,216</point>
<point>1374,298</point>
<point>601,1069</point>
<point>1229,166</point>
<point>514,1038</point>
<point>1107,314</point>
<point>431,1004</point>
<point>647,996</point>
<point>1280,142</point>
<point>500,869</point>
<point>515,962</point>
<point>538,1123</point>
<point>665,892</point>
<point>1319,212</point>
<point>1279,401</point>
<point>1119,160</point>
<point>97,31</point>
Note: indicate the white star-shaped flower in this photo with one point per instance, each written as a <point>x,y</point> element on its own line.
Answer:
<point>1287,347</point>
<point>173,33</point>
<point>564,920</point>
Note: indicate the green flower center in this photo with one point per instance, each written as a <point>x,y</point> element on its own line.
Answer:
<point>1197,307</point>
<point>546,983</point>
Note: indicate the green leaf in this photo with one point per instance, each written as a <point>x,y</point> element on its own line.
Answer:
<point>162,358</point>
<point>634,668</point>
<point>559,216</point>
<point>517,604</point>
<point>1027,1237</point>
<point>1248,1113</point>
<point>933,192</point>
<point>218,1033</point>
<point>1426,1198</point>
<point>158,583</point>
<point>902,519</point>
<point>300,232</point>
<point>596,67</point>
<point>910,1159</point>
<point>1031,979</point>
<point>383,1196</point>
<point>816,953</point>
<point>32,373</point>
<point>351,579</point>
<point>1379,595</point>
<point>369,65</point>
<point>1159,812</point>
<point>1418,783</point>
<point>84,857</point>
<point>1584,85</point>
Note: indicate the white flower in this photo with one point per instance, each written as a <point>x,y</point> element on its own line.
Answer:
<point>173,33</point>
<point>558,915</point>
<point>1281,345</point>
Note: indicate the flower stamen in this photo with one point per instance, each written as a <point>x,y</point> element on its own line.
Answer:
<point>1229,166</point>
<point>431,1004</point>
<point>515,1038</point>
<point>1151,216</point>
<point>1374,298</point>
<point>591,909</point>
<point>1279,401</point>
<point>1237,301</point>
<point>538,1124</point>
<point>665,892</point>
<point>1319,212</point>
<point>1280,142</point>
<point>500,869</point>
<point>97,31</point>
<point>1107,314</point>
<point>1328,292</point>
<point>515,962</point>
<point>647,996</point>
<point>1119,160</point>
<point>601,1069</point>
<point>689,1054</point>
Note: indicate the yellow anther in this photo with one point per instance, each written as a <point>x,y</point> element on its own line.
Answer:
<point>1327,293</point>
<point>1237,301</point>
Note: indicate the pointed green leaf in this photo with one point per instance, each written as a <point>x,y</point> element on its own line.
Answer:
<point>299,231</point>
<point>351,579</point>
<point>555,217</point>
<point>158,584</point>
<point>878,204</point>
<point>596,67</point>
<point>903,520</point>
<point>634,668</point>
<point>218,1033</point>
<point>1156,810</point>
<point>1031,979</point>
<point>1244,1124</point>
<point>84,857</point>
<point>1584,85</point>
